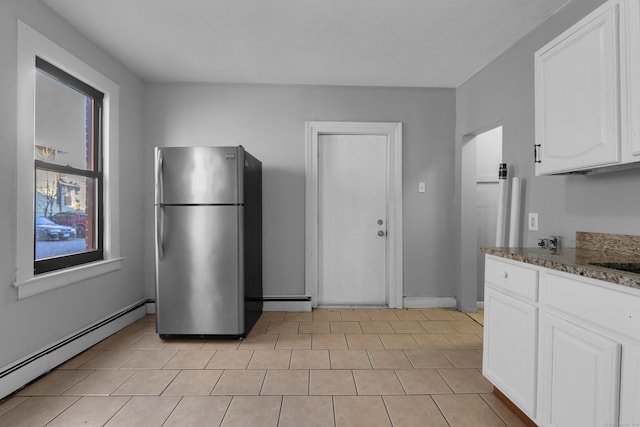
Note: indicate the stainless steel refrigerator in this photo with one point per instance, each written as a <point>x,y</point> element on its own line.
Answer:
<point>208,235</point>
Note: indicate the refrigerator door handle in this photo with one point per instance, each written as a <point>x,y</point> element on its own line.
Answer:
<point>159,186</point>
<point>160,231</point>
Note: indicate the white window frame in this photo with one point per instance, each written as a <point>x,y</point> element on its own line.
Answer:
<point>32,44</point>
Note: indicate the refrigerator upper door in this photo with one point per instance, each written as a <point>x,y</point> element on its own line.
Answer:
<point>198,175</point>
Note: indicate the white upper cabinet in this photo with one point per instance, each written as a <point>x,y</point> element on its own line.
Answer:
<point>631,96</point>
<point>587,93</point>
<point>577,102</point>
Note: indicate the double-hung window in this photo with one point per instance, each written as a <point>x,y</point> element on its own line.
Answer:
<point>67,228</point>
<point>68,170</point>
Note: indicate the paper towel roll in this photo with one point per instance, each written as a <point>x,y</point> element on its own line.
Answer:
<point>514,220</point>
<point>502,206</point>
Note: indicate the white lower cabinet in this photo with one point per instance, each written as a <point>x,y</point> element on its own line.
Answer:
<point>580,376</point>
<point>630,386</point>
<point>511,331</point>
<point>564,348</point>
<point>509,359</point>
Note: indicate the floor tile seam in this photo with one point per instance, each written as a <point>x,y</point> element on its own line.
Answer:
<point>63,410</point>
<point>333,408</point>
<point>26,399</point>
<point>445,380</point>
<point>494,410</point>
<point>216,383</point>
<point>479,370</point>
<point>120,409</point>
<point>60,393</point>
<point>369,357</point>
<point>168,415</point>
<point>386,410</point>
<point>451,391</point>
<point>280,409</point>
<point>474,320</point>
<point>483,401</point>
<point>439,410</point>
<point>226,411</point>
<point>406,393</point>
<point>264,378</point>
<point>421,349</point>
<point>449,359</point>
<point>131,372</point>
<point>85,362</point>
<point>178,352</point>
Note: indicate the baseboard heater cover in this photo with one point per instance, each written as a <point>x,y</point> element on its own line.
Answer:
<point>286,303</point>
<point>16,375</point>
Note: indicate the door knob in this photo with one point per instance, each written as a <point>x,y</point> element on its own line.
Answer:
<point>380,233</point>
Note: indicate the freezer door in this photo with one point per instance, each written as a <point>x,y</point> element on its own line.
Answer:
<point>199,281</point>
<point>198,175</point>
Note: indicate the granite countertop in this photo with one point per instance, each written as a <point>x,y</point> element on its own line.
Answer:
<point>590,248</point>
<point>578,261</point>
<point>575,261</point>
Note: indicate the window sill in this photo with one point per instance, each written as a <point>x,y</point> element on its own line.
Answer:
<point>57,279</point>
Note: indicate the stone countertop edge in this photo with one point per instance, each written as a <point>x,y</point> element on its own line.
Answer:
<point>574,261</point>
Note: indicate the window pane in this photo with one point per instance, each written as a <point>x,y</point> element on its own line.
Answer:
<point>65,210</point>
<point>64,133</point>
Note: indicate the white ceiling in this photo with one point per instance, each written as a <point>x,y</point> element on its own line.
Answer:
<point>411,43</point>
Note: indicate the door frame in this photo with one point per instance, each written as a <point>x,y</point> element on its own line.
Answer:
<point>393,132</point>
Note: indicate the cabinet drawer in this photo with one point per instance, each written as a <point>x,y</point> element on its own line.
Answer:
<point>512,278</point>
<point>601,305</point>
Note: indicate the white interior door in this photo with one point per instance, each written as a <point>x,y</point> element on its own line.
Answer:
<point>352,220</point>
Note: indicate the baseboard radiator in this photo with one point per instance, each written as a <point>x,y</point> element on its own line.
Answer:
<point>15,375</point>
<point>286,303</point>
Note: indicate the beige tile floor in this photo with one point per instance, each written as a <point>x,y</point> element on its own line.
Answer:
<point>330,367</point>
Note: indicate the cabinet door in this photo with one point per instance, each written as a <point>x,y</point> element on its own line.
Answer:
<point>630,89</point>
<point>510,348</point>
<point>630,386</point>
<point>579,376</point>
<point>577,105</point>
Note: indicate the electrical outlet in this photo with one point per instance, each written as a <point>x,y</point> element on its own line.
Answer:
<point>533,221</point>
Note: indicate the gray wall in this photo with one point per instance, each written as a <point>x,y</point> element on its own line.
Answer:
<point>269,122</point>
<point>502,93</point>
<point>28,325</point>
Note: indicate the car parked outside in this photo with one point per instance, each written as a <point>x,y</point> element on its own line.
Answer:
<point>49,230</point>
<point>75,219</point>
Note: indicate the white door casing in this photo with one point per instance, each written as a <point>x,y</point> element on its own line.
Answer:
<point>352,220</point>
<point>392,132</point>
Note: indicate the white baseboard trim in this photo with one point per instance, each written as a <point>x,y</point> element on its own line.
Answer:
<point>15,375</point>
<point>429,302</point>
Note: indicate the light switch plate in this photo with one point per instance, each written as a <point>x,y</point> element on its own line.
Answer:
<point>533,221</point>
<point>421,187</point>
